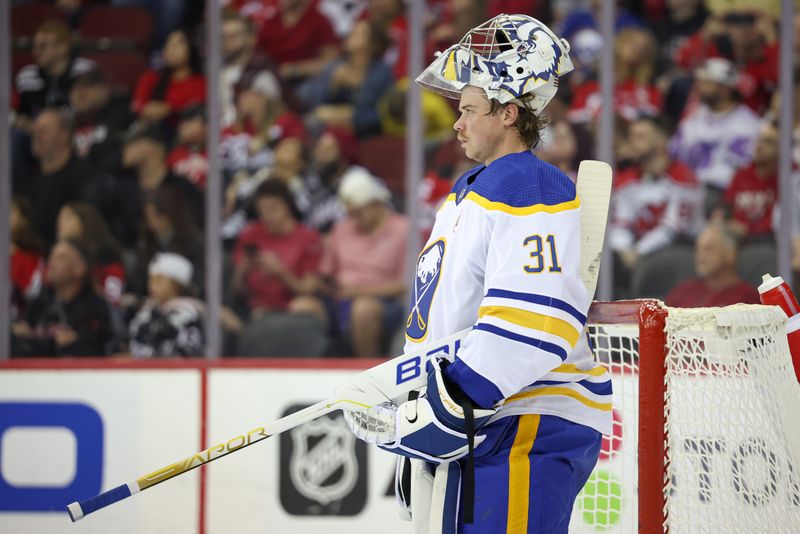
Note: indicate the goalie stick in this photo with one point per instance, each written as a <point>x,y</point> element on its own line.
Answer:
<point>390,381</point>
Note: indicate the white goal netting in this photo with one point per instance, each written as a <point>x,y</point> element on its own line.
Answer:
<point>732,431</point>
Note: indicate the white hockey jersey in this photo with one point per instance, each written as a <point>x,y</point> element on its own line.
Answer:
<point>504,256</point>
<point>714,145</point>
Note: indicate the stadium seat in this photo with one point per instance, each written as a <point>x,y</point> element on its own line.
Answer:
<point>657,273</point>
<point>384,156</point>
<point>26,18</point>
<point>756,260</point>
<point>109,28</point>
<point>121,68</point>
<point>283,334</point>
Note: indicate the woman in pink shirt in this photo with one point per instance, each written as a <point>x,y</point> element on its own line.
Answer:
<point>364,261</point>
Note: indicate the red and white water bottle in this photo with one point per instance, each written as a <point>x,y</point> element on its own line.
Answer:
<point>775,292</point>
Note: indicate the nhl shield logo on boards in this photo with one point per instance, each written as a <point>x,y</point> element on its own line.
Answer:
<point>429,269</point>
<point>323,468</point>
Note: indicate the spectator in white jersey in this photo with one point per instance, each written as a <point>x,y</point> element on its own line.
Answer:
<point>718,135</point>
<point>656,201</point>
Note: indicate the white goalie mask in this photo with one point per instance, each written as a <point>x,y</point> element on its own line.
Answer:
<point>508,56</point>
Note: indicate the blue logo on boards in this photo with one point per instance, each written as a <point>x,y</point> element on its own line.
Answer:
<point>85,424</point>
<point>429,268</point>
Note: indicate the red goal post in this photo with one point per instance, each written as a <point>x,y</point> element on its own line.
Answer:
<point>707,421</point>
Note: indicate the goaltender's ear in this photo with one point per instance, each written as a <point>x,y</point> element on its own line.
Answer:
<point>509,114</point>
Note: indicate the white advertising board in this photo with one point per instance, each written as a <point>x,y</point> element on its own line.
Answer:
<point>70,434</point>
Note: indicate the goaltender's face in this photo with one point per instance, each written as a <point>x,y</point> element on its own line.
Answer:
<point>479,133</point>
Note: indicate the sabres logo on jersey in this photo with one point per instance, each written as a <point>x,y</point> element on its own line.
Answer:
<point>429,269</point>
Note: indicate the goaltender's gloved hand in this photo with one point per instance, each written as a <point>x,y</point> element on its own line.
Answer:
<point>431,426</point>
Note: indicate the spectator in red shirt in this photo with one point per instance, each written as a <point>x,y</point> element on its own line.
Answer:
<point>717,282</point>
<point>276,258</point>
<point>27,262</point>
<point>82,221</point>
<point>298,38</point>
<point>635,95</point>
<point>750,199</point>
<point>164,94</point>
<point>189,158</point>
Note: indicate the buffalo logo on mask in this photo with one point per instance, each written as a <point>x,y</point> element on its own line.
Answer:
<point>429,269</point>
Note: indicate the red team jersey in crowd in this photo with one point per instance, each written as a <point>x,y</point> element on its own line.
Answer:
<point>300,251</point>
<point>752,200</point>
<point>27,272</point>
<point>631,101</point>
<point>180,94</point>
<point>190,163</point>
<point>288,44</point>
<point>649,212</point>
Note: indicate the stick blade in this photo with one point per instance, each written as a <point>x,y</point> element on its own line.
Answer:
<point>594,191</point>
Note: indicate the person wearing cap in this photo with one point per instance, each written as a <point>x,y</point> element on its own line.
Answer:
<point>100,121</point>
<point>718,136</point>
<point>364,264</point>
<point>69,318</point>
<point>61,178</point>
<point>170,322</point>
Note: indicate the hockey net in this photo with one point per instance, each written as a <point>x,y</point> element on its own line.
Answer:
<point>706,422</point>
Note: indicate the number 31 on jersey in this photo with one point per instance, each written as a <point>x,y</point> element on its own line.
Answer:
<point>543,254</point>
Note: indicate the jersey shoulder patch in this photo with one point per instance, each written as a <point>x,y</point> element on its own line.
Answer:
<point>519,181</point>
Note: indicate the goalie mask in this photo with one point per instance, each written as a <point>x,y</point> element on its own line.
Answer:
<point>508,56</point>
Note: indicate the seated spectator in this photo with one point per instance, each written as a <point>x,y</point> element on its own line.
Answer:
<point>46,83</point>
<point>458,18</point>
<point>243,66</point>
<point>656,200</point>
<point>276,258</point>
<point>68,318</point>
<point>170,322</point>
<point>162,95</point>
<point>298,38</point>
<point>717,137</point>
<point>145,153</point>
<point>717,282</point>
<point>27,262</point>
<point>334,156</point>
<point>438,114</point>
<point>346,93</point>
<point>751,198</point>
<point>82,222</point>
<point>189,157</point>
<point>635,55</point>
<point>100,121</point>
<point>364,264</point>
<point>745,33</point>
<point>248,151</point>
<point>62,177</point>
<point>290,168</point>
<point>261,121</point>
<point>168,227</point>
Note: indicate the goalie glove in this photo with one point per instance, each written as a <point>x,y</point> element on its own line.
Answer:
<point>431,426</point>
